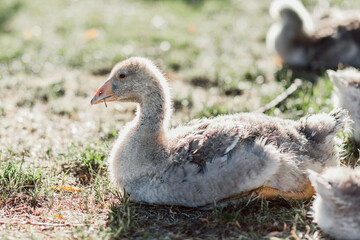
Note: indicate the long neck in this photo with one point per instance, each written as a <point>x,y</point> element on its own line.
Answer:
<point>141,148</point>
<point>153,113</point>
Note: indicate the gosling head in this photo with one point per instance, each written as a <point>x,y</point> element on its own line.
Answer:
<point>293,13</point>
<point>344,79</point>
<point>337,186</point>
<point>132,80</point>
<point>336,206</point>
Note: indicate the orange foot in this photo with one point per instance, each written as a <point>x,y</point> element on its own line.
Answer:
<point>272,193</point>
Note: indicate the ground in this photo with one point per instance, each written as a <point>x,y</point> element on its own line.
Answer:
<point>54,144</point>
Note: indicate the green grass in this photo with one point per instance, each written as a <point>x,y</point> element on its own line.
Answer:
<point>212,111</point>
<point>15,178</point>
<point>122,221</point>
<point>310,98</point>
<point>351,151</point>
<point>55,56</point>
<point>87,164</point>
<point>8,10</point>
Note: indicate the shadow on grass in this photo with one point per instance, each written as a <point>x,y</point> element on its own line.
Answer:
<point>86,164</point>
<point>251,218</point>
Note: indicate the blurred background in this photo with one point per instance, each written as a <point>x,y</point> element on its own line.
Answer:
<point>55,55</point>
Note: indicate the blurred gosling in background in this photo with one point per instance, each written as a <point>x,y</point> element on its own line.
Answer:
<point>300,45</point>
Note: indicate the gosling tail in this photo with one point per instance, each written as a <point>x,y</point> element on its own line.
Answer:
<point>322,128</point>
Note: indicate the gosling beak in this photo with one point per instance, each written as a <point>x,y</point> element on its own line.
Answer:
<point>105,93</point>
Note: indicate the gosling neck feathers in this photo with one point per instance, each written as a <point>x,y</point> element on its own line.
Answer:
<point>153,112</point>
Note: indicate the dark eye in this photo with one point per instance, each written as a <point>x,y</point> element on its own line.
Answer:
<point>121,75</point>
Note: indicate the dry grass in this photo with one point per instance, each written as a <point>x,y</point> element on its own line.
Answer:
<point>53,58</point>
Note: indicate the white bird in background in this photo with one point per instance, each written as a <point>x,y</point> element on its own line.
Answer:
<point>302,44</point>
<point>217,159</point>
<point>347,95</point>
<point>336,208</point>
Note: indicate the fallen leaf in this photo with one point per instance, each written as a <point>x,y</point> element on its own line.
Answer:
<point>204,220</point>
<point>293,234</point>
<point>91,34</point>
<point>278,61</point>
<point>191,29</point>
<point>285,227</point>
<point>59,216</point>
<point>67,188</point>
<point>85,177</point>
<point>27,34</point>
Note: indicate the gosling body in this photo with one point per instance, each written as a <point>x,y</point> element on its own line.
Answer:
<point>215,159</point>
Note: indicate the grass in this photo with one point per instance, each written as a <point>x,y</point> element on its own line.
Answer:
<point>54,146</point>
<point>351,152</point>
<point>253,219</point>
<point>87,164</point>
<point>312,97</point>
<point>14,178</point>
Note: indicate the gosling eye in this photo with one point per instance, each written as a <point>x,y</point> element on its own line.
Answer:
<point>121,75</point>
